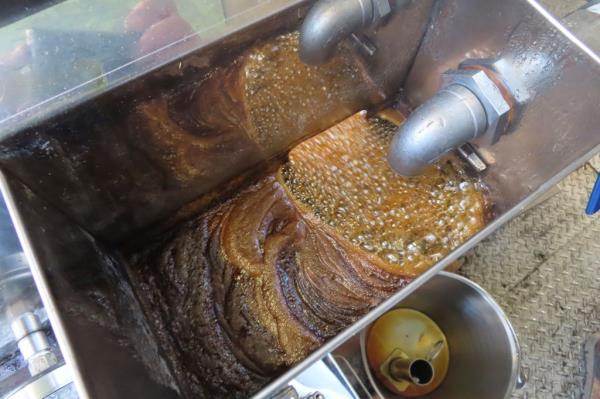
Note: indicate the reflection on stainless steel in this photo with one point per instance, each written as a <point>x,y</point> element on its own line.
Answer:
<point>470,155</point>
<point>486,84</point>
<point>418,371</point>
<point>387,48</point>
<point>45,385</point>
<point>484,351</point>
<point>21,312</point>
<point>99,312</point>
<point>83,180</point>
<point>330,21</point>
<point>355,378</point>
<point>555,82</point>
<point>325,257</point>
<point>9,242</point>
<point>446,121</point>
<point>554,134</point>
<point>100,68</point>
<point>332,365</point>
<point>33,343</point>
<point>324,378</point>
<point>470,106</point>
<point>158,173</point>
<point>288,392</point>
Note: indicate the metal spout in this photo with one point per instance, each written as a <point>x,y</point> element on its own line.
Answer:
<point>330,21</point>
<point>417,371</point>
<point>446,121</point>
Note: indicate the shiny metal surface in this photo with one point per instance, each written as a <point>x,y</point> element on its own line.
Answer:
<point>17,289</point>
<point>41,360</point>
<point>288,392</point>
<point>33,343</point>
<point>20,308</point>
<point>102,175</point>
<point>452,117</point>
<point>330,21</point>
<point>86,176</point>
<point>530,164</point>
<point>468,153</point>
<point>94,313</point>
<point>9,243</point>
<point>18,294</point>
<point>470,106</point>
<point>66,392</point>
<point>418,371</point>
<point>100,327</point>
<point>497,107</point>
<point>327,23</point>
<point>98,45</point>
<point>324,378</point>
<point>546,69</point>
<point>397,39</point>
<point>44,385</point>
<point>25,324</point>
<point>484,351</point>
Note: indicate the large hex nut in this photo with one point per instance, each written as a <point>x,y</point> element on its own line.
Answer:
<point>41,362</point>
<point>497,108</point>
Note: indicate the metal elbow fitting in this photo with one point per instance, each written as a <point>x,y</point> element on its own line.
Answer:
<point>470,106</point>
<point>330,21</point>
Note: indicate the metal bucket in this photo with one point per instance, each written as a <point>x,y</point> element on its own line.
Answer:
<point>484,351</point>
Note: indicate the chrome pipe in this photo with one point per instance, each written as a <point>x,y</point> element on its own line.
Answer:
<point>416,371</point>
<point>327,23</point>
<point>452,117</point>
